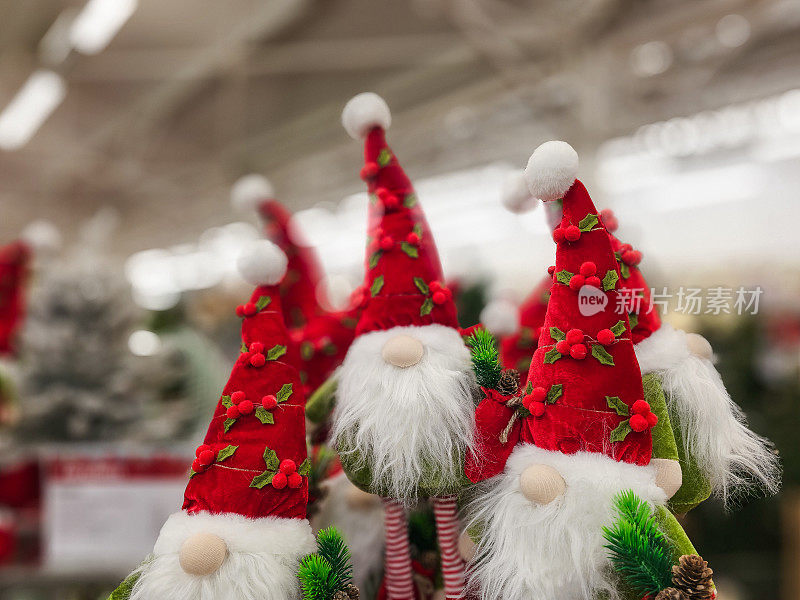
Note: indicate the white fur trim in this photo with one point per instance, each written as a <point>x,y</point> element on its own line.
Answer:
<point>262,561</point>
<point>250,191</point>
<point>552,551</point>
<point>664,349</point>
<point>515,195</point>
<point>42,236</point>
<point>262,263</point>
<point>551,170</point>
<point>500,317</point>
<point>363,112</point>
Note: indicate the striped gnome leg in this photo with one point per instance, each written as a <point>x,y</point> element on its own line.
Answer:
<point>399,583</point>
<point>446,514</point>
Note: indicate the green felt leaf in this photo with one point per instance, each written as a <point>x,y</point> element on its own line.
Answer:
<point>373,199</point>
<point>226,401</point>
<point>426,307</point>
<point>564,276</point>
<point>619,328</point>
<point>192,473</point>
<point>306,350</point>
<point>409,249</point>
<point>417,229</point>
<point>226,452</point>
<point>263,415</point>
<point>633,318</point>
<point>610,279</point>
<point>263,302</point>
<point>620,432</point>
<point>625,270</point>
<point>228,424</point>
<point>557,334</point>
<point>554,393</point>
<point>377,284</point>
<point>552,356</point>
<point>384,157</point>
<point>602,356</point>
<point>588,222</point>
<point>305,468</point>
<point>617,405</point>
<point>374,258</point>
<point>529,387</point>
<point>284,393</point>
<point>421,285</point>
<point>410,201</point>
<point>276,352</point>
<point>243,347</point>
<point>259,481</point>
<point>271,459</point>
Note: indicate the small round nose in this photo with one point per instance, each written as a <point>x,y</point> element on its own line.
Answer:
<point>403,351</point>
<point>202,554</point>
<point>541,484</point>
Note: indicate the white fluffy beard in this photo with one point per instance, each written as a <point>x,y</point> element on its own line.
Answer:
<point>555,551</point>
<point>400,422</point>
<point>262,562</point>
<point>713,428</point>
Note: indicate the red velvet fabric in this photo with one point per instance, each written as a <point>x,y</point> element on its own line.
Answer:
<point>323,344</point>
<point>491,418</point>
<point>224,487</point>
<point>649,319</point>
<point>516,350</point>
<point>394,214</point>
<point>14,270</point>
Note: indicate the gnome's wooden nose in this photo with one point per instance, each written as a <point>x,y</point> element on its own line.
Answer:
<point>541,484</point>
<point>403,351</point>
<point>203,554</point>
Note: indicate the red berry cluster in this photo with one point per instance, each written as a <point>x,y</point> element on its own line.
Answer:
<point>642,417</point>
<point>609,220</point>
<point>204,458</point>
<point>630,256</point>
<point>535,401</point>
<point>287,475</point>
<point>246,310</point>
<point>385,242</point>
<point>573,345</point>
<point>388,199</point>
<point>255,355</point>
<point>570,233</point>
<point>369,171</point>
<point>241,406</point>
<point>586,276</point>
<point>439,293</point>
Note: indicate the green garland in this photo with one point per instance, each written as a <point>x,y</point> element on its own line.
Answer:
<point>638,548</point>
<point>485,358</point>
<point>329,570</point>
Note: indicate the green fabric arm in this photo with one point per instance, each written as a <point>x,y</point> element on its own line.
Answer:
<point>123,592</point>
<point>664,444</point>
<point>320,405</point>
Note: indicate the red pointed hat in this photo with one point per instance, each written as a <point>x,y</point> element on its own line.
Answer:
<point>14,269</point>
<point>404,284</point>
<point>584,384</point>
<point>253,460</point>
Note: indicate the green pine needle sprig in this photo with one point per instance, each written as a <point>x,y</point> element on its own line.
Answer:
<point>327,571</point>
<point>331,546</point>
<point>638,549</point>
<point>485,358</point>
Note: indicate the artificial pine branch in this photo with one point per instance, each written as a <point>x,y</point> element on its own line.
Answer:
<point>331,546</point>
<point>638,549</point>
<point>485,358</point>
<point>317,579</point>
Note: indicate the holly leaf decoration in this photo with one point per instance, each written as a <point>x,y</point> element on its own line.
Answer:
<point>409,249</point>
<point>243,347</point>
<point>305,468</point>
<point>610,280</point>
<point>633,318</point>
<point>276,352</point>
<point>588,222</point>
<point>306,350</point>
<point>417,229</point>
<point>619,328</point>
<point>374,258</point>
<point>554,393</point>
<point>263,302</point>
<point>226,401</point>
<point>384,157</point>
<point>529,387</point>
<point>557,334</point>
<point>410,201</point>
<point>552,356</point>
<point>617,405</point>
<point>192,473</point>
<point>271,459</point>
<point>421,285</point>
<point>284,393</point>
<point>426,307</point>
<point>620,432</point>
<point>263,415</point>
<point>228,424</point>
<point>259,481</point>
<point>602,356</point>
<point>226,452</point>
<point>564,276</point>
<point>376,286</point>
<point>373,199</point>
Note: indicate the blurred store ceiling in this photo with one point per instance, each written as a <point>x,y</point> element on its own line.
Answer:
<point>191,94</point>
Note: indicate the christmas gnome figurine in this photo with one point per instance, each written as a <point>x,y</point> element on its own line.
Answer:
<point>243,528</point>
<point>556,456</point>
<point>404,412</point>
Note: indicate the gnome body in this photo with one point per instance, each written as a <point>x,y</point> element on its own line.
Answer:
<point>243,528</point>
<point>403,419</point>
<point>554,459</point>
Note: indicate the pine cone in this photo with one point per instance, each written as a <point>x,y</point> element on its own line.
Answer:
<point>340,595</point>
<point>670,593</point>
<point>693,577</point>
<point>509,382</point>
<point>352,591</point>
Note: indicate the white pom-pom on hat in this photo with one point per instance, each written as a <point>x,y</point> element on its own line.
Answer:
<point>42,235</point>
<point>500,317</point>
<point>250,191</point>
<point>551,170</point>
<point>363,112</point>
<point>515,195</point>
<point>262,263</point>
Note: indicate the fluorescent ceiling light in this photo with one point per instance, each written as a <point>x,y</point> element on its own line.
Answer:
<point>36,101</point>
<point>98,23</point>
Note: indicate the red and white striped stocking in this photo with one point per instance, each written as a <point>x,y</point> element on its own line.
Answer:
<point>399,583</point>
<point>446,514</point>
